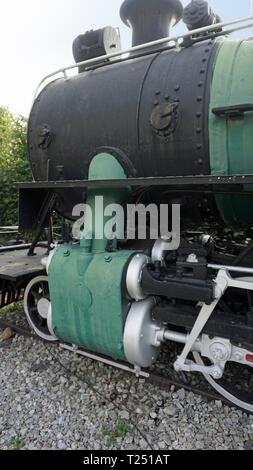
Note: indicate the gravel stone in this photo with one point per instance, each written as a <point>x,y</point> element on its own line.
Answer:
<point>248,445</point>
<point>162,445</point>
<point>124,415</point>
<point>170,411</point>
<point>181,394</point>
<point>218,403</point>
<point>47,406</point>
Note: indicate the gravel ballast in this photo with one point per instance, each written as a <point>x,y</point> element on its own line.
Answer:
<point>53,399</point>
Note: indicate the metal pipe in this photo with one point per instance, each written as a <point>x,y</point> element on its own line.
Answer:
<point>235,269</point>
<point>147,45</point>
<point>181,339</point>
<point>4,249</point>
<point>25,246</point>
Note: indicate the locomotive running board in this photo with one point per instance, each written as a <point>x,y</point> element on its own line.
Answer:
<point>174,181</point>
<point>118,365</point>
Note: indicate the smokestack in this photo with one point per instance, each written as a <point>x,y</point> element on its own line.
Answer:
<point>150,20</point>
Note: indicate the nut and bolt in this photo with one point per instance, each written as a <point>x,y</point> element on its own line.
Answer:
<point>192,258</point>
<point>238,356</point>
<point>219,352</point>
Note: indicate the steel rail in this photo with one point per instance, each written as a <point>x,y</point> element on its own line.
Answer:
<point>21,331</point>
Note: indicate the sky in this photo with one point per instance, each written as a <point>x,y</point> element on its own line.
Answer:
<point>36,38</point>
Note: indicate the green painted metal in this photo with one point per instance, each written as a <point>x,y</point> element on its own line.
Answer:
<point>85,280</point>
<point>103,167</point>
<point>86,298</point>
<point>231,139</point>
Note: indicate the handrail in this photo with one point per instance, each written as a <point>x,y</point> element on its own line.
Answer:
<point>158,42</point>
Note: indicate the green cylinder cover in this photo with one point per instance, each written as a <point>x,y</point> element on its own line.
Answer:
<point>86,297</point>
<point>231,138</point>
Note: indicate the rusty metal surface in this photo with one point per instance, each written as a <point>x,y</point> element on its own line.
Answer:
<point>19,330</point>
<point>16,264</point>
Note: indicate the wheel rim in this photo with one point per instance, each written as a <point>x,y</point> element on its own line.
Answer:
<point>37,306</point>
<point>225,390</point>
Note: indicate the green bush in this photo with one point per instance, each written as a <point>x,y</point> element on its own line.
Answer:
<point>14,166</point>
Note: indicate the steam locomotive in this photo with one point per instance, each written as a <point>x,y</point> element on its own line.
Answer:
<point>168,122</point>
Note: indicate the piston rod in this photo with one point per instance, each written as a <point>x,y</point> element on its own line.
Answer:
<point>181,339</point>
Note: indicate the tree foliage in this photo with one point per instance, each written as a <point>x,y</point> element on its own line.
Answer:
<point>14,166</point>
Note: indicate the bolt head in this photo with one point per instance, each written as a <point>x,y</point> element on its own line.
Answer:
<point>219,352</point>
<point>238,356</point>
<point>217,375</point>
<point>192,258</point>
<point>177,366</point>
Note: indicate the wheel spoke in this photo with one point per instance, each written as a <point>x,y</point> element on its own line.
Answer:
<point>37,292</point>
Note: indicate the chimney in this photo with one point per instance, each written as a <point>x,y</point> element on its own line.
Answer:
<point>150,20</point>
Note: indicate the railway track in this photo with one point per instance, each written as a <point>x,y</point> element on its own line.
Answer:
<point>154,377</point>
